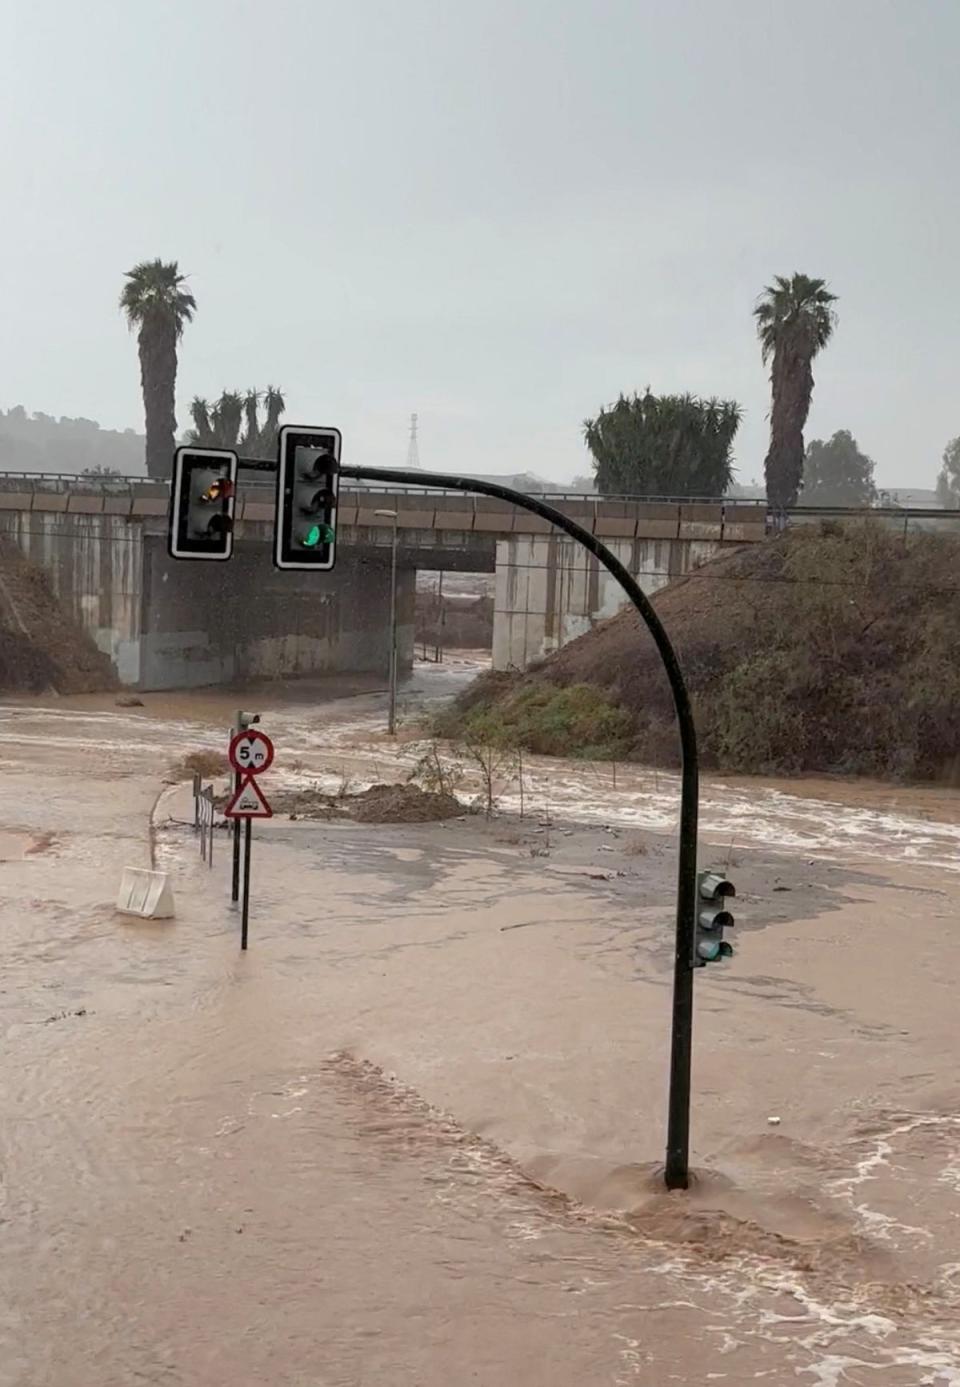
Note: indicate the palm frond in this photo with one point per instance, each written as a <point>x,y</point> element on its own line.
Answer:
<point>155,291</point>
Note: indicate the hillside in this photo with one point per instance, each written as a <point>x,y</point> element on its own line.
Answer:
<point>832,650</point>
<point>40,443</point>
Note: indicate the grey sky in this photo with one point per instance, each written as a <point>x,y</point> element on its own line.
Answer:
<point>498,214</point>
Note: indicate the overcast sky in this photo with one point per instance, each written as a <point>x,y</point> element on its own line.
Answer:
<point>499,214</point>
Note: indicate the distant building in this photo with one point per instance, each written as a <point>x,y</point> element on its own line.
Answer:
<point>520,481</point>
<point>909,497</point>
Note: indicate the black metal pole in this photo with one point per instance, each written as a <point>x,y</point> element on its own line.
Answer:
<point>247,840</point>
<point>676,1172</point>
<point>235,884</point>
<point>438,649</point>
<point>394,669</point>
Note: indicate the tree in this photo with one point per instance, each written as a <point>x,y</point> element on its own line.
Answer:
<point>233,421</point>
<point>663,445</point>
<point>837,473</point>
<point>157,303</point>
<point>794,323</point>
<point>948,482</point>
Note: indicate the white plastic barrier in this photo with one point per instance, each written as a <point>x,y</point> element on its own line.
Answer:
<point>145,893</point>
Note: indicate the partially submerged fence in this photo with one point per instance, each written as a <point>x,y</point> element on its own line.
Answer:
<point>203,817</point>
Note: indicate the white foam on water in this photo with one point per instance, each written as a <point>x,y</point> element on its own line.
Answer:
<point>643,799</point>
<point>950,1175</point>
<point>878,1158</point>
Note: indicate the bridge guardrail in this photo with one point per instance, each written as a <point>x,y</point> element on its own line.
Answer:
<point>614,516</point>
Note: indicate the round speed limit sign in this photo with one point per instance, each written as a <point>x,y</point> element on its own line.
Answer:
<point>251,752</point>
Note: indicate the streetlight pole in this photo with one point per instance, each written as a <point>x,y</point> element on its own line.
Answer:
<point>392,706</point>
<point>677,1170</point>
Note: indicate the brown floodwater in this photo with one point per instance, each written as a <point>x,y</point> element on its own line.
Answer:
<point>412,1136</point>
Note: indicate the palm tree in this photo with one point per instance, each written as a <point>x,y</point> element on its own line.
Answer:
<point>226,419</point>
<point>156,301</point>
<point>274,404</point>
<point>251,433</point>
<point>794,322</point>
<point>202,431</point>
<point>233,421</point>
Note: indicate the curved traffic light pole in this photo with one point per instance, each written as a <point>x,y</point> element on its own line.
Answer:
<point>676,1173</point>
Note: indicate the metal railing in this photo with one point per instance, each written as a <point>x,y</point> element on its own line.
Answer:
<point>203,817</point>
<point>72,481</point>
<point>66,482</point>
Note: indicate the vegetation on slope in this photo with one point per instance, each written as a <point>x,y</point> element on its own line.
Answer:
<point>835,650</point>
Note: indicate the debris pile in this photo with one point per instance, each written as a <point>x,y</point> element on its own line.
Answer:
<point>379,804</point>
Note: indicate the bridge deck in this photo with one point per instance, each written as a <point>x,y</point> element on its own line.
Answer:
<point>422,509</point>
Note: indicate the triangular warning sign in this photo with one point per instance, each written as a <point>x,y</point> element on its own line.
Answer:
<point>248,802</point>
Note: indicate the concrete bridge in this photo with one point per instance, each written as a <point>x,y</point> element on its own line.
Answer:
<point>169,624</point>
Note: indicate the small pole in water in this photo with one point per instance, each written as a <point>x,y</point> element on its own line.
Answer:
<point>235,883</point>
<point>438,649</point>
<point>247,839</point>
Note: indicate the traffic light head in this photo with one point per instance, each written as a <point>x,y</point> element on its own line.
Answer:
<point>202,502</point>
<point>713,917</point>
<point>308,470</point>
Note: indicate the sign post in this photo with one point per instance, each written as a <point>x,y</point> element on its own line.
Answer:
<point>241,722</point>
<point>245,908</point>
<point>250,754</point>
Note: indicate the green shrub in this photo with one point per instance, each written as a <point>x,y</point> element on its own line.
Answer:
<point>577,720</point>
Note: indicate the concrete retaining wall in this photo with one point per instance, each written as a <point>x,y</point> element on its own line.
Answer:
<point>94,563</point>
<point>168,625</point>
<point>216,623</point>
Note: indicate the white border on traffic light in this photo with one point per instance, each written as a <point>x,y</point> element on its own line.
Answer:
<point>215,455</point>
<point>311,430</point>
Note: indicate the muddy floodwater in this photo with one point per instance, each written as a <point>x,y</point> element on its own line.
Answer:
<point>412,1137</point>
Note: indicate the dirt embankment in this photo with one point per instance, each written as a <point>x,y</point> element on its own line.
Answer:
<point>378,804</point>
<point>42,646</point>
<point>834,650</point>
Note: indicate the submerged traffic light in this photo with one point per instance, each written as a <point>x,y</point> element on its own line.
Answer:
<point>308,477</point>
<point>713,917</point>
<point>202,503</point>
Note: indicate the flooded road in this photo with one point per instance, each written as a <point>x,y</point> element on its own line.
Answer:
<point>412,1136</point>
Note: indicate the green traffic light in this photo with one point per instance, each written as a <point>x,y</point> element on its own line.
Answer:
<point>316,535</point>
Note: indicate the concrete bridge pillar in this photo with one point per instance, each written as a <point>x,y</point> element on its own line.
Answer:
<point>549,590</point>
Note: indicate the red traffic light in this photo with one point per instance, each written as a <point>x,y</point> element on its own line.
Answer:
<point>220,490</point>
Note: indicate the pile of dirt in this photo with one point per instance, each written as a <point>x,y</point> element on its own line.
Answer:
<point>42,646</point>
<point>379,804</point>
<point>831,649</point>
<point>402,804</point>
<point>205,762</point>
